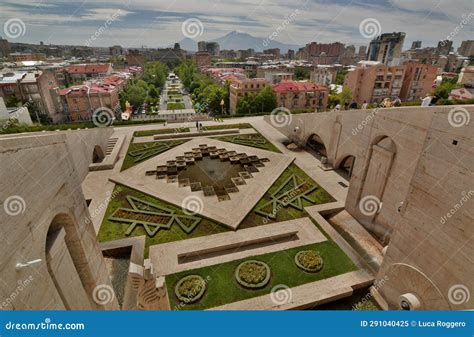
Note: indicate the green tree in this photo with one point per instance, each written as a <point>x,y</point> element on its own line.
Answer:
<point>341,76</point>
<point>446,86</point>
<point>155,73</point>
<point>345,96</point>
<point>153,92</point>
<point>302,74</point>
<point>136,95</point>
<point>266,100</point>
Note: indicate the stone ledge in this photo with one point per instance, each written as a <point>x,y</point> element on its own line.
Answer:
<point>196,134</point>
<point>109,160</point>
<point>165,257</point>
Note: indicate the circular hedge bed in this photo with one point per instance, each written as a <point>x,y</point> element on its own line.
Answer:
<point>252,274</point>
<point>309,260</point>
<point>190,288</point>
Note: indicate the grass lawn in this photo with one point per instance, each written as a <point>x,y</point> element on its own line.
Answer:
<point>287,213</point>
<point>253,140</point>
<point>146,133</point>
<point>228,126</point>
<point>130,161</point>
<point>110,230</point>
<point>175,106</point>
<point>222,287</point>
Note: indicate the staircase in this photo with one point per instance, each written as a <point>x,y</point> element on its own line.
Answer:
<point>110,145</point>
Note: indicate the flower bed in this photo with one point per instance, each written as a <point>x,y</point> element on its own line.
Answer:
<point>309,260</point>
<point>252,274</point>
<point>190,288</point>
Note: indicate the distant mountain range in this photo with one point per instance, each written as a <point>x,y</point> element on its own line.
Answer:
<point>239,40</point>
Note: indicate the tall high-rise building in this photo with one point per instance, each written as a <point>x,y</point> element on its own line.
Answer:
<point>362,53</point>
<point>467,48</point>
<point>444,47</point>
<point>291,54</point>
<point>209,47</point>
<point>4,47</point>
<point>416,45</point>
<point>387,48</point>
<point>202,46</point>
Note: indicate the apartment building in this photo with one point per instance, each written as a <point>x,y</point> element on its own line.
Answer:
<point>79,102</point>
<point>79,73</point>
<point>323,75</point>
<point>203,59</point>
<point>301,95</point>
<point>373,81</point>
<point>243,87</point>
<point>386,48</point>
<point>33,86</point>
<point>418,81</point>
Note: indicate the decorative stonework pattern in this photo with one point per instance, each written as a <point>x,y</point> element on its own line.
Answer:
<point>290,193</point>
<point>170,171</point>
<point>152,217</point>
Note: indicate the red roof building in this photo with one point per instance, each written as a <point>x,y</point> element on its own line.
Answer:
<point>80,101</point>
<point>301,95</point>
<point>83,72</point>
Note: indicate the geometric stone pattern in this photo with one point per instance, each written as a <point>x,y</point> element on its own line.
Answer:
<point>251,140</point>
<point>152,217</point>
<point>171,170</point>
<point>290,193</point>
<point>229,213</point>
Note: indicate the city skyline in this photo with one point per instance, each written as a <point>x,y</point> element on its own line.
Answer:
<point>135,24</point>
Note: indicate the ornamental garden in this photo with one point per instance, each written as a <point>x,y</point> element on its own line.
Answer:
<point>229,214</point>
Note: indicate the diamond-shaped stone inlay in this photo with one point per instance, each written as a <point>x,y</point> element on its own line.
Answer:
<point>215,171</point>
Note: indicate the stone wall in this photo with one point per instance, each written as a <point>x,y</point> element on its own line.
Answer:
<point>41,194</point>
<point>430,172</point>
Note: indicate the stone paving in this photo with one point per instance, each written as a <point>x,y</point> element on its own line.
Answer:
<point>241,202</point>
<point>98,187</point>
<point>170,258</point>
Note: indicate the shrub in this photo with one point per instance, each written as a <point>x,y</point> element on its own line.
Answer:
<point>190,288</point>
<point>252,274</point>
<point>309,260</point>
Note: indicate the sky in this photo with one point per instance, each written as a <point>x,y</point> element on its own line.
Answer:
<point>158,23</point>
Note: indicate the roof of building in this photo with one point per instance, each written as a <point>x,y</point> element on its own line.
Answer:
<point>12,77</point>
<point>297,86</point>
<point>95,68</point>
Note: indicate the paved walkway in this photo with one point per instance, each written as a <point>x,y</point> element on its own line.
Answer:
<point>97,186</point>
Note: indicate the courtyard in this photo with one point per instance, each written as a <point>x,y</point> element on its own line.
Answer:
<point>226,214</point>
